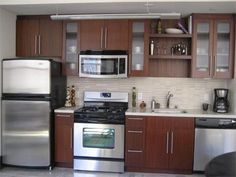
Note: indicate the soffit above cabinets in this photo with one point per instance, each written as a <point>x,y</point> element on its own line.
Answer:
<point>184,7</point>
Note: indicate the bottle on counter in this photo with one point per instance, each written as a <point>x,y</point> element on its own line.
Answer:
<point>134,95</point>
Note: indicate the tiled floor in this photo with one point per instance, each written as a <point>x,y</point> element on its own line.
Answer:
<point>65,172</point>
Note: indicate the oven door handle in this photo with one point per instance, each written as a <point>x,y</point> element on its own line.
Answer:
<point>93,121</point>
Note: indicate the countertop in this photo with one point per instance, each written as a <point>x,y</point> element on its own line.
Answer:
<point>148,112</point>
<point>189,113</point>
<point>66,109</point>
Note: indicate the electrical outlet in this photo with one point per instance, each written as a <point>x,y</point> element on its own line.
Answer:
<point>140,96</point>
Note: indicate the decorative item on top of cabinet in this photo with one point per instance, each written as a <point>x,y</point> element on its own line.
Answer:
<point>165,62</point>
<point>138,47</point>
<point>104,35</point>
<point>38,36</point>
<point>213,46</point>
<point>70,47</point>
<point>63,139</point>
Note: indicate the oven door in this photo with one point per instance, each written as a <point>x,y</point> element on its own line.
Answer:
<point>103,66</point>
<point>98,140</point>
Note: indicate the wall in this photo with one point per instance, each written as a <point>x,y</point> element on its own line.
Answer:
<point>188,93</point>
<point>7,40</point>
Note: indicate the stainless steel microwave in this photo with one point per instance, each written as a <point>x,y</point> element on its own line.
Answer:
<point>103,64</point>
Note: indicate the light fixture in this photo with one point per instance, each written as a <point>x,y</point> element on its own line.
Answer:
<point>173,15</point>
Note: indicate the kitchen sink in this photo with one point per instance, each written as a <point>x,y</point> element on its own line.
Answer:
<point>166,110</point>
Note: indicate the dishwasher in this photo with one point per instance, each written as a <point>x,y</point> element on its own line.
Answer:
<point>213,137</point>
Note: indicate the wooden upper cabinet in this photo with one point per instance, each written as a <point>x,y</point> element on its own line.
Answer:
<point>213,46</point>
<point>50,38</point>
<point>27,31</point>
<point>38,36</point>
<point>104,35</point>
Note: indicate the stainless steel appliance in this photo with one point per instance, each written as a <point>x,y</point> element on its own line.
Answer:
<point>99,132</point>
<point>213,137</point>
<point>103,64</point>
<point>221,103</point>
<point>31,89</point>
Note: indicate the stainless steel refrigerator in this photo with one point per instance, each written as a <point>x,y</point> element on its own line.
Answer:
<point>31,89</point>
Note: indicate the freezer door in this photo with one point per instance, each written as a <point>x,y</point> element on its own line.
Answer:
<point>26,76</point>
<point>25,133</point>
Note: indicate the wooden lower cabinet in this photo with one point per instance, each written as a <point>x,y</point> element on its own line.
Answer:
<point>134,143</point>
<point>167,145</point>
<point>63,148</point>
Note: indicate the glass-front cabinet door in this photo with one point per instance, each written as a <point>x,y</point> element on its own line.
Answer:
<point>71,48</point>
<point>138,49</point>
<point>213,41</point>
<point>223,56</point>
<point>202,57</point>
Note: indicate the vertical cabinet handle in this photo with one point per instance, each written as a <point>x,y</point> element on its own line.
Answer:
<point>167,142</point>
<point>172,143</point>
<point>35,44</point>
<point>130,63</point>
<point>39,44</point>
<point>101,35</point>
<point>215,66</point>
<point>71,138</point>
<point>106,31</point>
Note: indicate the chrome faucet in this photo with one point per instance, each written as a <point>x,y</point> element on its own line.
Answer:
<point>168,96</point>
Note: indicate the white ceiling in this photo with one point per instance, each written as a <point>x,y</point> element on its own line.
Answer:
<point>184,7</point>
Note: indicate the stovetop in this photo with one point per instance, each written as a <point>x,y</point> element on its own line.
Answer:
<point>100,114</point>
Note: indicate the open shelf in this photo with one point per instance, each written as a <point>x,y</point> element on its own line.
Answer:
<point>172,35</point>
<point>180,57</point>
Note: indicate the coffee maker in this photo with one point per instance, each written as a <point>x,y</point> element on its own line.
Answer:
<point>221,103</point>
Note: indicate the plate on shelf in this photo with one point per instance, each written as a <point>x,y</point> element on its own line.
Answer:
<point>173,31</point>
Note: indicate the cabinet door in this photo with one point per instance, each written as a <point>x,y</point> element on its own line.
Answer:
<point>92,35</point>
<point>116,35</point>
<point>27,37</point>
<point>202,48</point>
<point>63,140</point>
<point>138,47</point>
<point>223,50</point>
<point>134,142</point>
<point>181,144</point>
<point>50,38</point>
<point>70,48</point>
<point>157,143</point>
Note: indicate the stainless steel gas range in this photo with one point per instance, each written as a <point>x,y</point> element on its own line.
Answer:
<point>99,132</point>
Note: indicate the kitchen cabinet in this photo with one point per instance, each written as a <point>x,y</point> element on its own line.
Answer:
<point>213,46</point>
<point>138,47</point>
<point>63,139</point>
<point>104,35</point>
<point>169,144</point>
<point>71,48</point>
<point>38,36</point>
<point>166,60</point>
<point>159,144</point>
<point>134,143</point>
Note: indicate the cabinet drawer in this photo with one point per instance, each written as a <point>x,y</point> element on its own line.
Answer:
<point>134,158</point>
<point>135,139</point>
<point>135,121</point>
<point>63,115</point>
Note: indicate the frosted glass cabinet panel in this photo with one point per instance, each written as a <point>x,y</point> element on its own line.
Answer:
<point>71,48</point>
<point>203,48</point>
<point>222,49</point>
<point>138,49</point>
<point>213,37</point>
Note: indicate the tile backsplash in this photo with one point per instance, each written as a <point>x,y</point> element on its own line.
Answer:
<point>188,93</point>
